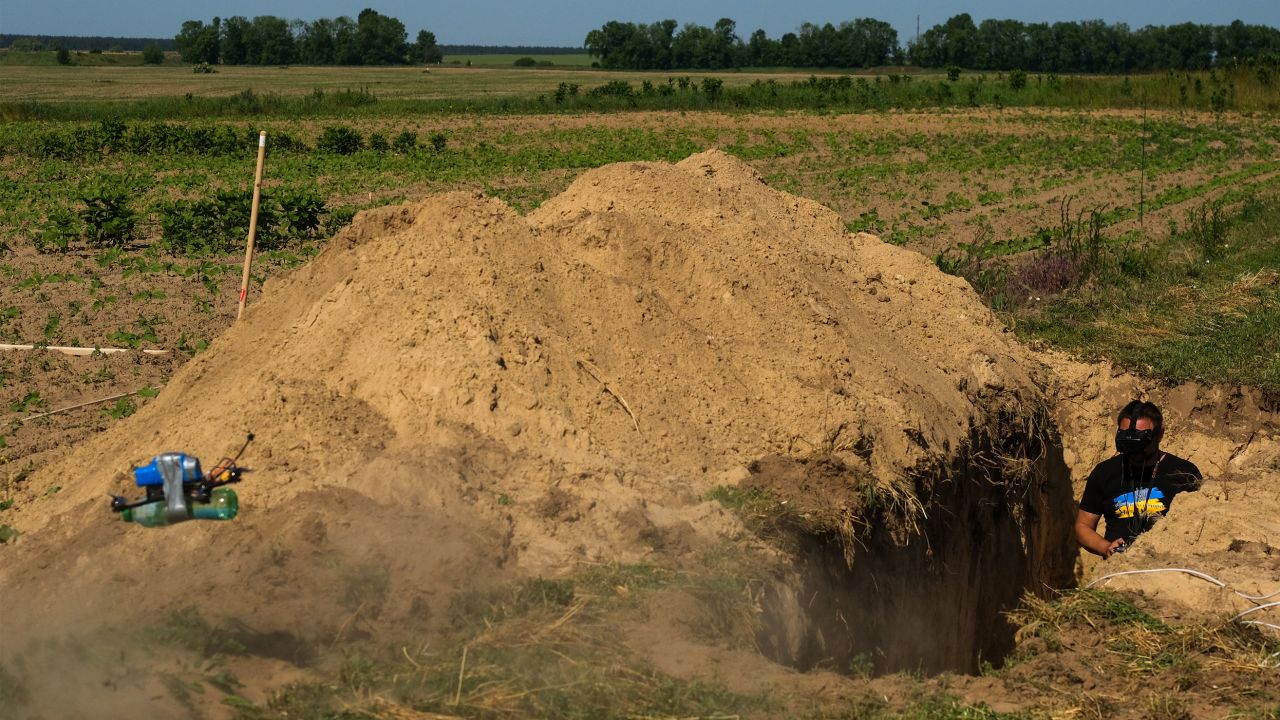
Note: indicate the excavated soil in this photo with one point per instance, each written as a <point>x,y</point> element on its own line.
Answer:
<point>453,396</point>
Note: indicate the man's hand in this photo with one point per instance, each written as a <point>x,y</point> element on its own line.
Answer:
<point>1088,537</point>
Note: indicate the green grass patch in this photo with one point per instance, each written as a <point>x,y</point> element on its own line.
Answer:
<point>740,498</point>
<point>49,58</point>
<point>1202,304</point>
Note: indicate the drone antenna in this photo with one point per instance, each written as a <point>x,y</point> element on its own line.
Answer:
<point>243,447</point>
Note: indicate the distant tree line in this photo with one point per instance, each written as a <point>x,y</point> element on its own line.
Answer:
<point>371,39</point>
<point>1088,46</point>
<point>508,50</point>
<point>69,42</point>
<point>664,45</point>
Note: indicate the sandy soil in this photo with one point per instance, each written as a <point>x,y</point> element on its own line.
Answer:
<point>453,396</point>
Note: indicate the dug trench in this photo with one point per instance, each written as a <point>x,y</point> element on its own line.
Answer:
<point>918,578</point>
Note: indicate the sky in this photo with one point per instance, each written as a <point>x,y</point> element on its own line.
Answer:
<point>566,22</point>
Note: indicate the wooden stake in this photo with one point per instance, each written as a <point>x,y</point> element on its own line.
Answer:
<point>77,406</point>
<point>253,221</point>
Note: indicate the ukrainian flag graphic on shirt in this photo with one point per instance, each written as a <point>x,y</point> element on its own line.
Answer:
<point>1144,500</point>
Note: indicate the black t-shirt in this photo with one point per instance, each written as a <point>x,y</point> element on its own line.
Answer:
<point>1130,498</point>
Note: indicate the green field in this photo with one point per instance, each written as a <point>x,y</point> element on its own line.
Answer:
<point>123,186</point>
<point>971,185</point>
<point>400,90</point>
<point>1132,219</point>
<point>570,60</point>
<point>11,58</point>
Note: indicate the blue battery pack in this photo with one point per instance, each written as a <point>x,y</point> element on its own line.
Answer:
<point>149,475</point>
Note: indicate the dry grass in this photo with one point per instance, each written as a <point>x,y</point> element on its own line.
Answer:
<point>544,649</point>
<point>1096,654</point>
<point>1241,296</point>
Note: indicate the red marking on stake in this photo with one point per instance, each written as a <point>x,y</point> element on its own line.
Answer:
<point>243,292</point>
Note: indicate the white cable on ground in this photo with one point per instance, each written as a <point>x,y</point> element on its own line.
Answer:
<point>1255,599</point>
<point>1255,609</point>
<point>1259,598</point>
<point>83,351</point>
<point>1193,573</point>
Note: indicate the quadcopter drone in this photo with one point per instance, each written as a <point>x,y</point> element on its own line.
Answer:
<point>175,479</point>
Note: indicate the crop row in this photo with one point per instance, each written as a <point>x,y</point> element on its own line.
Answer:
<point>217,224</point>
<point>113,136</point>
<point>186,195</point>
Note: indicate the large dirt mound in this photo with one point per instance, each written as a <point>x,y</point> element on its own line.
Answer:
<point>453,394</point>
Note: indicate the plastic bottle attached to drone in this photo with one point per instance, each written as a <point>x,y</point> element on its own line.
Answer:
<point>223,505</point>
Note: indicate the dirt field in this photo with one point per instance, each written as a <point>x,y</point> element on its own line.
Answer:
<point>930,182</point>
<point>659,440</point>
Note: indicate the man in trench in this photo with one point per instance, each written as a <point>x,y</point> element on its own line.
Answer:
<point>1136,487</point>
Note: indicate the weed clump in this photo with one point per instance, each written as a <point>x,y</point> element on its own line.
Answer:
<point>340,140</point>
<point>108,219</point>
<point>218,224</point>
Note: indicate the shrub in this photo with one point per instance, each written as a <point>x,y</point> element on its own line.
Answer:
<point>613,88</point>
<point>953,72</point>
<point>60,228</point>
<point>353,98</point>
<point>1135,263</point>
<point>107,218</point>
<point>203,69</point>
<point>109,135</point>
<point>54,145</point>
<point>339,140</point>
<point>339,218</point>
<point>439,142</point>
<point>712,88</point>
<point>1220,99</point>
<point>1206,228</point>
<point>220,224</point>
<point>279,140</point>
<point>64,56</point>
<point>1017,79</point>
<point>296,215</point>
<point>152,55</point>
<point>247,102</point>
<point>406,142</point>
<point>566,91</point>
<point>1049,273</point>
<point>378,142</point>
<point>525,62</point>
